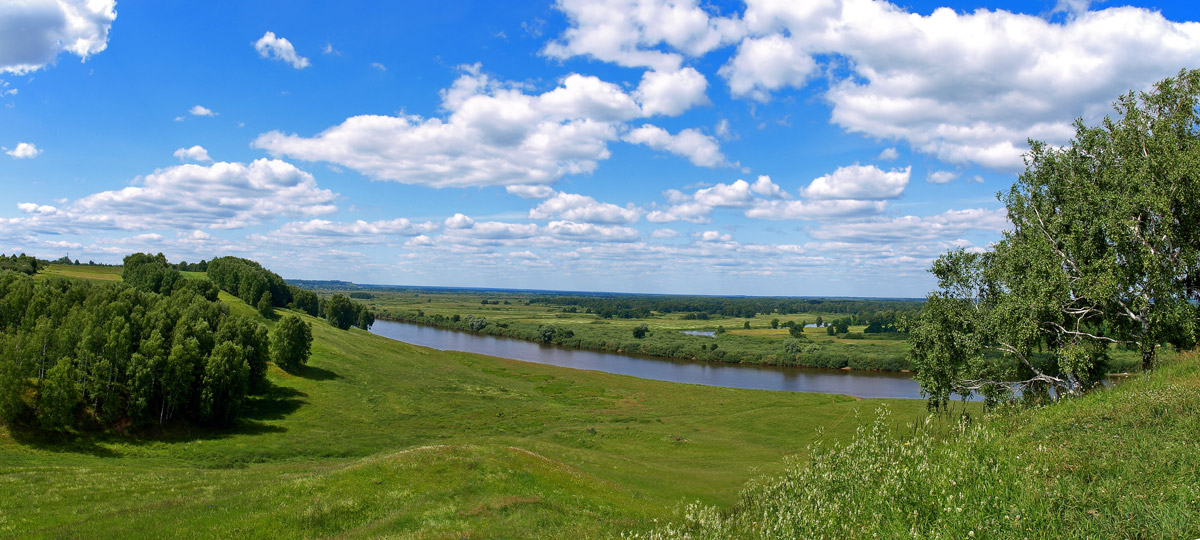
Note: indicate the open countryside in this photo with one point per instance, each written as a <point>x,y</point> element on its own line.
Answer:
<point>638,269</point>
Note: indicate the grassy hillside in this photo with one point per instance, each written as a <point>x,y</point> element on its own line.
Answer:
<point>1119,463</point>
<point>379,438</point>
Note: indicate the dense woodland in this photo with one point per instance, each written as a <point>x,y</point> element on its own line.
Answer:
<point>156,347</point>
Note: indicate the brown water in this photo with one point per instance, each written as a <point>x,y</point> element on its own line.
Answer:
<point>866,384</point>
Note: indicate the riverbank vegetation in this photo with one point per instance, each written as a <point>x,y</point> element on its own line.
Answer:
<point>374,437</point>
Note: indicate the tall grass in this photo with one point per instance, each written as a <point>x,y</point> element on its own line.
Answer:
<point>1121,463</point>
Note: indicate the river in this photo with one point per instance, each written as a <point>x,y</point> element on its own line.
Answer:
<point>865,384</point>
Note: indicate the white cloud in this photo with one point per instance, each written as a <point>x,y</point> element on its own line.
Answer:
<point>358,228</point>
<point>929,80</point>
<point>498,230</point>
<point>626,32</point>
<point>279,48</point>
<point>219,196</point>
<point>766,188</point>
<point>574,207</point>
<point>702,150</point>
<point>34,32</point>
<point>860,182</point>
<point>378,66</point>
<point>494,135</point>
<point>948,225</point>
<point>691,212</point>
<point>941,177</point>
<point>530,192</point>
<point>671,93</point>
<point>589,232</point>
<point>195,153</point>
<point>200,110</point>
<point>763,65</point>
<point>458,221</point>
<point>814,210</point>
<point>664,233</point>
<point>733,195</point>
<point>714,236</point>
<point>31,208</point>
<point>24,150</point>
<point>888,154</point>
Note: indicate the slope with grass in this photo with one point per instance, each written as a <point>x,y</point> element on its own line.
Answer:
<point>380,438</point>
<point>1122,462</point>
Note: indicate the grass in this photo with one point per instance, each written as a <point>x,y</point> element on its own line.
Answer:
<point>380,438</point>
<point>1118,463</point>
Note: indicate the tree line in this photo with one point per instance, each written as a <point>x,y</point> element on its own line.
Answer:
<point>635,306</point>
<point>152,348</point>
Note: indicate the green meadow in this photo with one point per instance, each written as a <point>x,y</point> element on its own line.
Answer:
<point>376,438</point>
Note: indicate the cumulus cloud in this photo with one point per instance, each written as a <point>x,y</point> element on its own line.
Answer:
<point>458,221</point>
<point>324,232</point>
<point>218,196</point>
<point>574,207</point>
<point>628,32</point>
<point>735,195</point>
<point>670,93</point>
<point>278,48</point>
<point>34,32</point>
<point>860,182</point>
<point>664,233</point>
<point>494,134</point>
<point>200,110</point>
<point>939,91</point>
<point>24,150</point>
<point>941,177</point>
<point>714,236</point>
<point>196,153</point>
<point>591,232</point>
<point>888,154</point>
<point>702,150</point>
<point>766,188</point>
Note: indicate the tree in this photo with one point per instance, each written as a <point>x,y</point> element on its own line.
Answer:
<point>366,318</point>
<point>747,325</point>
<point>1102,253</point>
<point>291,342</point>
<point>774,324</point>
<point>640,331</point>
<point>820,321</point>
<point>223,388</point>
<point>796,331</point>
<point>340,312</point>
<point>264,305</point>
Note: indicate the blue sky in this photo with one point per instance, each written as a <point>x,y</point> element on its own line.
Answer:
<point>767,147</point>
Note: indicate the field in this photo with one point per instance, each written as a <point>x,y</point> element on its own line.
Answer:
<point>380,438</point>
<point>511,314</point>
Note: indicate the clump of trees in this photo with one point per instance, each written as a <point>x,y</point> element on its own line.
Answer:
<point>20,263</point>
<point>1102,253</point>
<point>153,348</point>
<point>343,313</point>
<point>251,282</point>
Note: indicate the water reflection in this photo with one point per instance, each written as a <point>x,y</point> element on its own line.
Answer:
<point>791,379</point>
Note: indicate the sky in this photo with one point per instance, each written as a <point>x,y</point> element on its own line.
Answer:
<point>771,147</point>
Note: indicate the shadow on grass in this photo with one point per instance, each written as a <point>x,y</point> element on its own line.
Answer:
<point>275,403</point>
<point>314,373</point>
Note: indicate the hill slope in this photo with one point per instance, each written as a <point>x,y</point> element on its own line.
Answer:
<point>377,437</point>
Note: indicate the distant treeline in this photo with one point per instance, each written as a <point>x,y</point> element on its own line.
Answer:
<point>20,263</point>
<point>75,354</point>
<point>265,290</point>
<point>643,306</point>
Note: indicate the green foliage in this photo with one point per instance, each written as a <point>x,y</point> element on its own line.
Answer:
<point>75,355</point>
<point>248,280</point>
<point>340,312</point>
<point>224,384</point>
<point>306,301</point>
<point>1102,254</point>
<point>796,331</point>
<point>641,330</point>
<point>361,295</point>
<point>264,306</point>
<point>149,273</point>
<point>1056,472</point>
<point>291,343</point>
<point>20,263</point>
